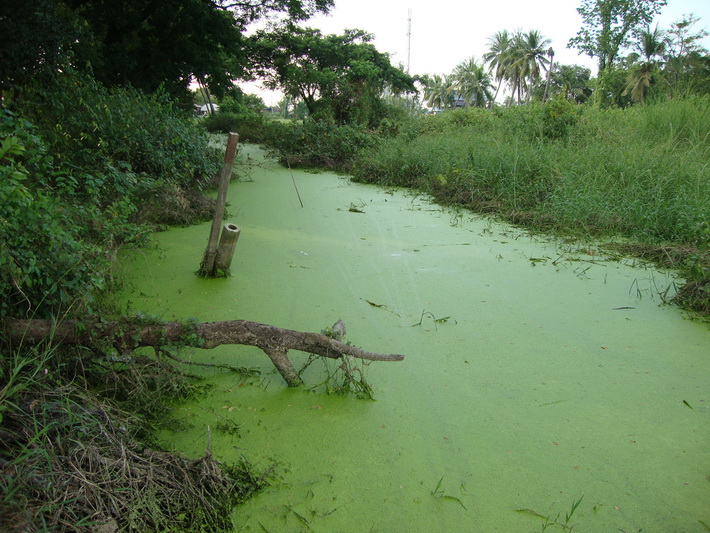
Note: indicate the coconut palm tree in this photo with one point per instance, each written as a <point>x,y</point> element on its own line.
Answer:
<point>527,59</point>
<point>472,83</point>
<point>644,74</point>
<point>498,45</point>
<point>551,55</point>
<point>438,92</point>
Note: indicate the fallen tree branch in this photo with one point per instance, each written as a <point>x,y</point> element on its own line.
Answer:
<point>272,340</point>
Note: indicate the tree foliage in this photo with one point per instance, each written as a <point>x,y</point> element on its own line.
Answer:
<point>518,60</point>
<point>34,37</point>
<point>652,44</point>
<point>339,77</point>
<point>468,85</point>
<point>609,25</point>
<point>144,44</point>
<point>572,82</point>
<point>472,83</point>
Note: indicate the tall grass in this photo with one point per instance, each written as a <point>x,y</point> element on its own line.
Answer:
<point>641,173</point>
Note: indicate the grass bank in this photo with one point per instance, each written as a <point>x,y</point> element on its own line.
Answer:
<point>641,174</point>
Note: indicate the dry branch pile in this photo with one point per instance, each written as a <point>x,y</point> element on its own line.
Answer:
<point>81,470</point>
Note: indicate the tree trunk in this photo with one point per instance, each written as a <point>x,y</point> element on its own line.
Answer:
<point>551,55</point>
<point>272,340</point>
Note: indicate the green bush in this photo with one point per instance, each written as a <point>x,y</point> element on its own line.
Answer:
<point>558,117</point>
<point>317,144</point>
<point>117,143</point>
<point>250,127</point>
<point>75,186</point>
<point>45,266</point>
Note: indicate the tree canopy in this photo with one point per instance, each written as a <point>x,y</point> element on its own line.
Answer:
<point>609,25</point>
<point>337,76</point>
<point>142,43</point>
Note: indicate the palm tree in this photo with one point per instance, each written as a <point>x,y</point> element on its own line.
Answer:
<point>551,55</point>
<point>644,74</point>
<point>498,45</point>
<point>437,93</point>
<point>527,59</point>
<point>472,83</point>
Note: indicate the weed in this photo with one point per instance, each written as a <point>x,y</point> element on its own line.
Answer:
<point>427,314</point>
<point>438,492</point>
<point>555,522</point>
<point>230,427</point>
<point>346,376</point>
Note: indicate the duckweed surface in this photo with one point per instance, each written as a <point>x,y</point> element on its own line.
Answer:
<point>537,373</point>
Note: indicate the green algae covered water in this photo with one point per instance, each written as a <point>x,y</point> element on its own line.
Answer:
<point>537,374</point>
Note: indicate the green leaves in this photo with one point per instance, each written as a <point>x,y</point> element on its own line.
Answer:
<point>339,77</point>
<point>609,24</point>
<point>43,265</point>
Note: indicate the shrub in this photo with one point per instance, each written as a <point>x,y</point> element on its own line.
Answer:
<point>74,187</point>
<point>250,126</point>
<point>45,266</point>
<point>558,117</point>
<point>315,143</point>
<point>119,142</point>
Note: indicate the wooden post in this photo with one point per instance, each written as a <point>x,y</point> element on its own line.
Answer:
<point>207,268</point>
<point>227,245</point>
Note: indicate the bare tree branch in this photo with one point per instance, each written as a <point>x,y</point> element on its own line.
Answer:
<point>272,340</point>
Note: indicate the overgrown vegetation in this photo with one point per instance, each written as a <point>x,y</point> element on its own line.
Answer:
<point>639,173</point>
<point>87,163</point>
<point>74,459</point>
<point>82,176</point>
<point>240,113</point>
<point>83,169</point>
<point>317,144</point>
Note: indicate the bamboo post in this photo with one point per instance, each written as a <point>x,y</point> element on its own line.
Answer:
<point>207,268</point>
<point>227,245</point>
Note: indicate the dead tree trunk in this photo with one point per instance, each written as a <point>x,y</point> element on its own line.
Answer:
<point>272,340</point>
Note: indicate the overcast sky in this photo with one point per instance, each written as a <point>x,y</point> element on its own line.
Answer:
<point>446,32</point>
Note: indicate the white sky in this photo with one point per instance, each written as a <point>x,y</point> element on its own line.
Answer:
<point>446,32</point>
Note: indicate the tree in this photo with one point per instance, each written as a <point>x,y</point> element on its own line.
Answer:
<point>339,77</point>
<point>681,41</point>
<point>608,26</point>
<point>438,92</point>
<point>687,61</point>
<point>521,60</point>
<point>498,46</point>
<point>34,37</point>
<point>551,57</point>
<point>643,75</point>
<point>573,82</point>
<point>143,43</point>
<point>528,57</point>
<point>512,64</point>
<point>472,84</point>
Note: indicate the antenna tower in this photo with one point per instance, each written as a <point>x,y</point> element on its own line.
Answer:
<point>409,39</point>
